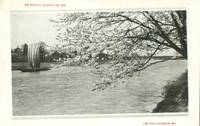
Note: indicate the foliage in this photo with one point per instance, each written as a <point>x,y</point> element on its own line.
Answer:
<point>125,41</point>
<point>17,55</point>
<point>20,54</point>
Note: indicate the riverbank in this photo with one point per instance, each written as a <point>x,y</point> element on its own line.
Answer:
<point>23,65</point>
<point>175,96</point>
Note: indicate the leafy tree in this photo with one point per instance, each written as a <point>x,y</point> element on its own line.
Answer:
<point>131,39</point>
<point>18,51</point>
<point>17,54</point>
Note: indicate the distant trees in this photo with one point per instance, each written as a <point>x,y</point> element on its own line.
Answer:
<point>17,55</point>
<point>18,50</point>
<point>20,54</point>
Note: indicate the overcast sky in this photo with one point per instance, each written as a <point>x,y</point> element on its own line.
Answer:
<point>32,27</point>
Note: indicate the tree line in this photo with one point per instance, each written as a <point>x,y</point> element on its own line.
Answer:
<point>20,54</point>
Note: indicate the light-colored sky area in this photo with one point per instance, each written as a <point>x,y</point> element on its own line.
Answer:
<point>32,27</point>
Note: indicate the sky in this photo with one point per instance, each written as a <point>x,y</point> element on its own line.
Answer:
<point>32,27</point>
<point>29,27</point>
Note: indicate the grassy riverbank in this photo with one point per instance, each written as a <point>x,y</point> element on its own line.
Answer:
<point>175,96</point>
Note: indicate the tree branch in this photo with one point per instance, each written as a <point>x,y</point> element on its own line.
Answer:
<point>164,35</point>
<point>153,63</point>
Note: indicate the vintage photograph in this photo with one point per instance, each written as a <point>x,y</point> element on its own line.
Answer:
<point>99,62</point>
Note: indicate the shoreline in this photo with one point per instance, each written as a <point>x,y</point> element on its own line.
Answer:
<point>175,96</point>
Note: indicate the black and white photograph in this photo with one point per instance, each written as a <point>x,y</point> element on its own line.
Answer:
<point>99,62</point>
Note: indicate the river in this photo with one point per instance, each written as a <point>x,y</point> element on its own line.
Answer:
<point>67,91</point>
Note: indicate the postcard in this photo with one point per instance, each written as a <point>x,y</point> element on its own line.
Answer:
<point>100,63</point>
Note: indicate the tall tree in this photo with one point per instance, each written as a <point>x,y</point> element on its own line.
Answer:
<point>126,36</point>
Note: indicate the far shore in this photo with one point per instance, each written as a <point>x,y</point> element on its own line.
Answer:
<point>21,65</point>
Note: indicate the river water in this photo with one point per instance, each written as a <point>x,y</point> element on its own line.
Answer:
<point>67,91</point>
